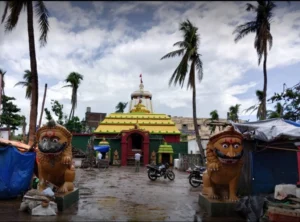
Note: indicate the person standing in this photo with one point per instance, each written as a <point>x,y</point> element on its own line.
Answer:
<point>137,158</point>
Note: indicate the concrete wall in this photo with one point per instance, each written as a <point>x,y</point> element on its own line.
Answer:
<point>193,147</point>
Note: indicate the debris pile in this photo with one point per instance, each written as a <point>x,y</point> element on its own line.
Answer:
<point>39,203</point>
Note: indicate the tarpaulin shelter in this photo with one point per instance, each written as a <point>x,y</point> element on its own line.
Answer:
<point>16,170</point>
<point>271,154</point>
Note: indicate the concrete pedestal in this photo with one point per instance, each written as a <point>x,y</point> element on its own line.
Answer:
<point>217,208</point>
<point>67,199</point>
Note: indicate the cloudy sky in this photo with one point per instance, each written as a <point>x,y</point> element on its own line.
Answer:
<point>111,43</point>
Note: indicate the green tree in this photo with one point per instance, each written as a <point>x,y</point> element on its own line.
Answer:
<point>214,116</point>
<point>10,113</point>
<point>48,114</point>
<point>233,113</point>
<point>263,38</point>
<point>121,107</point>
<point>258,106</point>
<point>27,76</point>
<point>290,103</point>
<point>57,109</point>
<point>190,67</point>
<point>277,113</point>
<point>74,80</point>
<point>10,16</point>
<point>74,125</point>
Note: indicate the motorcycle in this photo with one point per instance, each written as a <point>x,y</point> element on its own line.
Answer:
<point>162,170</point>
<point>195,177</point>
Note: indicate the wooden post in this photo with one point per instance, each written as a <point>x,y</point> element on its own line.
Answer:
<point>44,98</point>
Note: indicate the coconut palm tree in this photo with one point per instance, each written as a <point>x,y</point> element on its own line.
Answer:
<point>74,80</point>
<point>233,113</point>
<point>27,76</point>
<point>11,16</point>
<point>214,116</point>
<point>258,106</point>
<point>121,107</point>
<point>263,38</point>
<point>190,67</point>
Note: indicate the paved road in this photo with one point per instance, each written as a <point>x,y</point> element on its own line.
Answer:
<point>120,194</point>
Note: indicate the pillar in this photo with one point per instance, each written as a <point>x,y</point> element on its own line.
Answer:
<point>298,160</point>
<point>159,158</point>
<point>146,153</point>
<point>124,154</point>
<point>171,158</point>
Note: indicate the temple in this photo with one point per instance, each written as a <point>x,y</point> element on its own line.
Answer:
<point>140,130</point>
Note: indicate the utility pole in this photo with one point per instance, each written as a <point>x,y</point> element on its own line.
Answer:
<point>44,98</point>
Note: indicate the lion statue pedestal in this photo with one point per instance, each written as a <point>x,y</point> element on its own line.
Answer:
<point>55,166</point>
<point>224,164</point>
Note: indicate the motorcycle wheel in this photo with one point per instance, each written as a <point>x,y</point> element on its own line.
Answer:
<point>151,175</point>
<point>194,183</point>
<point>171,175</point>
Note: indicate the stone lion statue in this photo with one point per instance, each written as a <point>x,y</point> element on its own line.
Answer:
<point>54,157</point>
<point>224,164</point>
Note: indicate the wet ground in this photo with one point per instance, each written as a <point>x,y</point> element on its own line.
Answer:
<point>120,194</point>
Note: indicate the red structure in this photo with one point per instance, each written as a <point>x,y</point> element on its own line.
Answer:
<point>128,148</point>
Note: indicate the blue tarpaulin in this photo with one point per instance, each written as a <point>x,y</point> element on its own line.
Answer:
<point>16,170</point>
<point>102,148</point>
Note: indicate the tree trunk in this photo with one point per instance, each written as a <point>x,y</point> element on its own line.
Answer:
<point>44,98</point>
<point>24,130</point>
<point>264,111</point>
<point>198,138</point>
<point>33,67</point>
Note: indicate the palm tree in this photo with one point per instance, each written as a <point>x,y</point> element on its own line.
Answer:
<point>214,116</point>
<point>233,113</point>
<point>263,39</point>
<point>74,80</point>
<point>11,15</point>
<point>27,76</point>
<point>121,107</point>
<point>258,107</point>
<point>190,57</point>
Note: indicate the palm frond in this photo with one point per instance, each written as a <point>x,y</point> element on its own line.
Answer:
<point>253,108</point>
<point>15,8</point>
<point>5,12</point>
<point>250,7</point>
<point>21,84</point>
<point>199,68</point>
<point>242,30</point>
<point>180,72</point>
<point>182,44</point>
<point>66,86</point>
<point>43,15</point>
<point>270,40</point>
<point>178,52</point>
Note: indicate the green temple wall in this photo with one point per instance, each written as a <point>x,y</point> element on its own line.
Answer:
<point>81,141</point>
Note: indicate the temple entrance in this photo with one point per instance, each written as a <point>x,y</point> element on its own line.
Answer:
<point>165,158</point>
<point>135,141</point>
<point>135,145</point>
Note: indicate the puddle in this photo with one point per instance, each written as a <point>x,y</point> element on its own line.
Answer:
<point>132,211</point>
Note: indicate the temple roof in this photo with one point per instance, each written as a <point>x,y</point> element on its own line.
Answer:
<point>153,123</point>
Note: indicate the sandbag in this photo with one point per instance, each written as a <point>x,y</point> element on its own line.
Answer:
<point>16,170</point>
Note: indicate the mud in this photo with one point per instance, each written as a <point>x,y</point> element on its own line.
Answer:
<point>120,194</point>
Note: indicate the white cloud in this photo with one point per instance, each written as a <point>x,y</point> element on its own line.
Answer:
<point>111,54</point>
